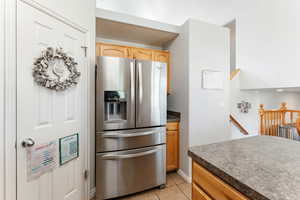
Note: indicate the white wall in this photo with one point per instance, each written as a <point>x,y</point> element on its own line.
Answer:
<point>179,98</point>
<point>232,28</point>
<point>269,45</point>
<point>2,100</point>
<point>209,109</point>
<point>204,113</point>
<point>209,48</point>
<point>267,32</point>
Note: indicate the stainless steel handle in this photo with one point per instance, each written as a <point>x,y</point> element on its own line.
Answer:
<point>28,143</point>
<point>132,83</point>
<point>135,155</point>
<point>140,83</point>
<point>126,135</point>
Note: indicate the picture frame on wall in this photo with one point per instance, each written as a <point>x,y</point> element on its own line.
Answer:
<point>212,79</point>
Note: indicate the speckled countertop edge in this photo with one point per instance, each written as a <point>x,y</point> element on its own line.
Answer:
<point>239,186</point>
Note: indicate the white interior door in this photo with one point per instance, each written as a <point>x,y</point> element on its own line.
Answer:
<point>46,115</point>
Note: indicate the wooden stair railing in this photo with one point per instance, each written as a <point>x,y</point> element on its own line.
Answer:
<point>271,120</point>
<point>238,125</point>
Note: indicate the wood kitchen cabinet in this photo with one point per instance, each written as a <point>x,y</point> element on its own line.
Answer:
<point>113,50</point>
<point>206,186</point>
<point>172,146</point>
<point>142,54</point>
<point>163,56</point>
<point>104,49</point>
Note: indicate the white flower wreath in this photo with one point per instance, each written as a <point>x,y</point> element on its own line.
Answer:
<point>55,70</point>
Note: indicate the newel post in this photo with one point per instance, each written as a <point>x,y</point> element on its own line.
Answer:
<point>283,109</point>
<point>261,115</point>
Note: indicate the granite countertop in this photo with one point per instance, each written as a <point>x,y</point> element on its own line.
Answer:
<point>260,167</point>
<point>173,116</point>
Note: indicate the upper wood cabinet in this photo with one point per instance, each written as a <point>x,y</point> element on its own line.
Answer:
<point>103,49</point>
<point>161,56</point>
<point>142,54</point>
<point>113,50</point>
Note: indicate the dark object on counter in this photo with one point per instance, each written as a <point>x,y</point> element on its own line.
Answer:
<point>173,116</point>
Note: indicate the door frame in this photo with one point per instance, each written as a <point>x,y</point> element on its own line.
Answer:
<point>10,91</point>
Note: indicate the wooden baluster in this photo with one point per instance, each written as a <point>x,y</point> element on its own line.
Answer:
<point>298,124</point>
<point>276,127</point>
<point>262,119</point>
<point>274,123</point>
<point>269,128</point>
<point>283,110</point>
<point>266,123</point>
<point>270,123</point>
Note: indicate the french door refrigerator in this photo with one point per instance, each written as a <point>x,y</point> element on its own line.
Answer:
<point>130,126</point>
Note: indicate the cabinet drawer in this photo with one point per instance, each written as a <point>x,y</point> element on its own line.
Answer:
<point>199,194</point>
<point>172,126</point>
<point>213,186</point>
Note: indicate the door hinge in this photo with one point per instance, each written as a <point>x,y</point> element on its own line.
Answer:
<point>85,50</point>
<point>86,174</point>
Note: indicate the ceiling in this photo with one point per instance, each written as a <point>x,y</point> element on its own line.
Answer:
<point>115,30</point>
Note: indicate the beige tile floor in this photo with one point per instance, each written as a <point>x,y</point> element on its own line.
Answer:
<point>176,189</point>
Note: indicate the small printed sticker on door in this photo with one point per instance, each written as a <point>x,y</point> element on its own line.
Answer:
<point>68,148</point>
<point>41,159</point>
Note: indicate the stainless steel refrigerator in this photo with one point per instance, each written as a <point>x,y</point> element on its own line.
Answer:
<point>131,98</point>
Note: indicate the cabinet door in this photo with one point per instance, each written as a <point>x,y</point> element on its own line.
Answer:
<point>113,50</point>
<point>172,150</point>
<point>163,56</point>
<point>198,193</point>
<point>213,186</point>
<point>142,54</point>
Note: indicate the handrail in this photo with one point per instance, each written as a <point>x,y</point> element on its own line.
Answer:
<point>238,125</point>
<point>271,120</point>
<point>234,73</point>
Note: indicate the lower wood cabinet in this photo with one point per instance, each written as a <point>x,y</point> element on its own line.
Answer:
<point>206,186</point>
<point>172,146</point>
<point>198,193</point>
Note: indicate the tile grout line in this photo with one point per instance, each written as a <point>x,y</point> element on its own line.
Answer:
<point>184,182</point>
<point>183,192</point>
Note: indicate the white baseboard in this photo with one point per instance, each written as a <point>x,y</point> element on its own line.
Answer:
<point>184,176</point>
<point>92,193</point>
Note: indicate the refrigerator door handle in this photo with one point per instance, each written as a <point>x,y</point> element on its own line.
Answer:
<point>127,135</point>
<point>140,75</point>
<point>132,85</point>
<point>135,155</point>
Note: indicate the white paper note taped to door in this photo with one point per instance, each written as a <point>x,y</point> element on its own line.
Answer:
<point>41,159</point>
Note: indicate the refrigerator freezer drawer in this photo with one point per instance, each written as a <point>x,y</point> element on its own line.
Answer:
<point>127,172</point>
<point>129,139</point>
